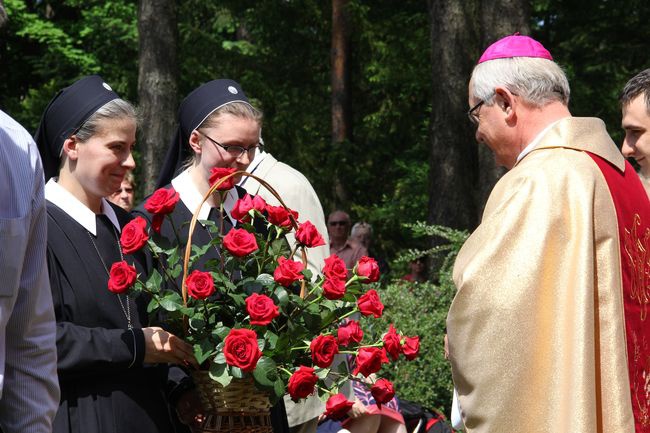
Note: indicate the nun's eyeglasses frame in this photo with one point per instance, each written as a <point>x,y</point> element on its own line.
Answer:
<point>235,151</point>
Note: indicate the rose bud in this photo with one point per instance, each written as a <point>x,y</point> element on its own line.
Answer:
<point>369,303</point>
<point>337,407</point>
<point>200,285</point>
<point>134,235</point>
<point>217,173</point>
<point>261,309</point>
<point>411,347</point>
<point>323,349</point>
<point>368,269</point>
<point>307,235</point>
<point>301,383</point>
<point>121,277</point>
<point>382,391</point>
<point>241,350</point>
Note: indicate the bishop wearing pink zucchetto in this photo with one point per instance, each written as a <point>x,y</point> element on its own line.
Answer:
<point>549,330</point>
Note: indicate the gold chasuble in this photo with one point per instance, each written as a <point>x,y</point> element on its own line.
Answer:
<point>549,330</point>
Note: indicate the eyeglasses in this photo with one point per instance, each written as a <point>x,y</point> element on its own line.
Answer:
<point>338,223</point>
<point>235,151</point>
<point>473,115</point>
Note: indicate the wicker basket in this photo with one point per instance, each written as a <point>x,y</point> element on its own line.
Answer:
<point>238,408</point>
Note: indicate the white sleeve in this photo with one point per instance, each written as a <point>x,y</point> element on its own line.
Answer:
<point>30,390</point>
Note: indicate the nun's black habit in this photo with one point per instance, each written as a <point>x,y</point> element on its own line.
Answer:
<point>105,387</point>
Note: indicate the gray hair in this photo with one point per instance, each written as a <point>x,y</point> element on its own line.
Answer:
<point>640,83</point>
<point>117,109</point>
<point>538,81</point>
<point>361,225</point>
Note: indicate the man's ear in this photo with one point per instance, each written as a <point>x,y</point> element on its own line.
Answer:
<point>195,141</point>
<point>71,148</point>
<point>507,102</point>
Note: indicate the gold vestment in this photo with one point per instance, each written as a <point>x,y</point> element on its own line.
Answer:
<point>536,330</point>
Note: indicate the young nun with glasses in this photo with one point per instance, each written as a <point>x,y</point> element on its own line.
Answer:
<point>218,127</point>
<point>112,366</point>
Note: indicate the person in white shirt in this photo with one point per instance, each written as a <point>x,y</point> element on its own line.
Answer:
<point>28,384</point>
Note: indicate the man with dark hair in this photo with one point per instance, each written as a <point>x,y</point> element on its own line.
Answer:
<point>635,103</point>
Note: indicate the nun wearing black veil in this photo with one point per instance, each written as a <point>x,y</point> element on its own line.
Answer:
<point>218,127</point>
<point>112,366</point>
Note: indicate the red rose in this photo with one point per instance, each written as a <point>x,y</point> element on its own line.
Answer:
<point>382,391</point>
<point>121,277</point>
<point>288,271</point>
<point>241,207</point>
<point>307,235</point>
<point>411,348</point>
<point>279,216</point>
<point>217,173</point>
<point>367,267</point>
<point>200,285</point>
<point>259,204</point>
<point>241,350</point>
<point>369,303</point>
<point>240,242</point>
<point>162,202</point>
<point>261,309</point>
<point>335,268</point>
<point>337,407</point>
<point>134,235</point>
<point>333,288</point>
<point>350,332</point>
<point>392,343</point>
<point>369,360</point>
<point>301,383</point>
<point>323,348</point>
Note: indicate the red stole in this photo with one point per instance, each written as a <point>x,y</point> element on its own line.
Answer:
<point>633,214</point>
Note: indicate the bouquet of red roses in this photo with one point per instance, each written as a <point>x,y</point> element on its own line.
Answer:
<point>256,311</point>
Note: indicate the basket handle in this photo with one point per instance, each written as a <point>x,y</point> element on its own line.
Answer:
<point>195,215</point>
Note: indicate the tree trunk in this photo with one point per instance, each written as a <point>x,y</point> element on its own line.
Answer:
<point>499,18</point>
<point>453,157</point>
<point>157,84</point>
<point>341,128</point>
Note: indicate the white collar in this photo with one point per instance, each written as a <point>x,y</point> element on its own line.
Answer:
<point>533,144</point>
<point>191,197</point>
<point>68,203</point>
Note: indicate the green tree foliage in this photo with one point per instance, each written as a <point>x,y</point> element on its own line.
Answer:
<point>49,44</point>
<point>601,44</point>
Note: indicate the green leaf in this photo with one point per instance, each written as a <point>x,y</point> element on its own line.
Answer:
<point>220,358</point>
<point>279,388</point>
<point>265,372</point>
<point>236,372</point>
<point>220,373</point>
<point>261,343</point>
<point>172,301</point>
<point>154,281</point>
<point>271,338</point>
<point>322,373</point>
<point>153,305</point>
<point>265,279</point>
<point>203,350</point>
<point>282,295</point>
<point>221,331</point>
<point>197,323</point>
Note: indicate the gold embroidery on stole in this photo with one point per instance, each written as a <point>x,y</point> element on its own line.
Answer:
<point>642,396</point>
<point>639,261</point>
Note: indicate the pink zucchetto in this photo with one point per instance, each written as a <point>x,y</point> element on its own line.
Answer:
<point>515,46</point>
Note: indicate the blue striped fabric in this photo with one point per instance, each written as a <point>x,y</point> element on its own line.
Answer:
<point>28,379</point>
